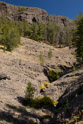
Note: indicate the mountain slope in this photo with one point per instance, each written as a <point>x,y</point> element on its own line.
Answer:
<point>23,65</point>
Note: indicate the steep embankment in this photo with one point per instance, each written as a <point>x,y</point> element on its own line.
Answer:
<point>23,65</point>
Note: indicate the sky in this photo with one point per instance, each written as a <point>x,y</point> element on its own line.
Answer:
<point>68,8</point>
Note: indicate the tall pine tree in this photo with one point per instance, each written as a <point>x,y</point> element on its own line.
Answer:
<point>78,38</point>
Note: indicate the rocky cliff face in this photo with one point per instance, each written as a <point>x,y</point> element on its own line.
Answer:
<point>32,14</point>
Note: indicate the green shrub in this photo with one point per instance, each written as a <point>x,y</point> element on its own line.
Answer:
<point>29,91</point>
<point>50,53</point>
<point>40,102</point>
<point>22,9</point>
<point>36,102</point>
<point>74,69</point>
<point>53,75</point>
<point>11,39</point>
<point>45,101</point>
<point>41,58</point>
<point>9,36</point>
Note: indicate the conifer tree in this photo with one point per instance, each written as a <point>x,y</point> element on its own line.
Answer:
<point>78,38</point>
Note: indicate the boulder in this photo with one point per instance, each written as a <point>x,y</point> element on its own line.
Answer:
<point>4,77</point>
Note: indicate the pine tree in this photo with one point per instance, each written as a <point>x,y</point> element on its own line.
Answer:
<point>34,31</point>
<point>41,32</point>
<point>78,39</point>
<point>11,39</point>
<point>29,93</point>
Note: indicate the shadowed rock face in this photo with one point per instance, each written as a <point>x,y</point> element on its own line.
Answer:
<point>60,20</point>
<point>3,7</point>
<point>32,14</point>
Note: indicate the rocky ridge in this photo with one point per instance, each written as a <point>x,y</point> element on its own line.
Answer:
<point>32,14</point>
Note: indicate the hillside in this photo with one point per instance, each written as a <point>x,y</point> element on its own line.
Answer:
<point>41,81</point>
<point>23,65</point>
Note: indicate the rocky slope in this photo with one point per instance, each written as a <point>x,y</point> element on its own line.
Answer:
<point>68,90</point>
<point>23,65</point>
<point>32,14</point>
<point>31,62</point>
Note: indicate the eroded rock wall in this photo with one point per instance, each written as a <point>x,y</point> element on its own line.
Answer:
<point>32,14</point>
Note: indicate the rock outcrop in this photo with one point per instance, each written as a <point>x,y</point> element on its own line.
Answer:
<point>32,14</point>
